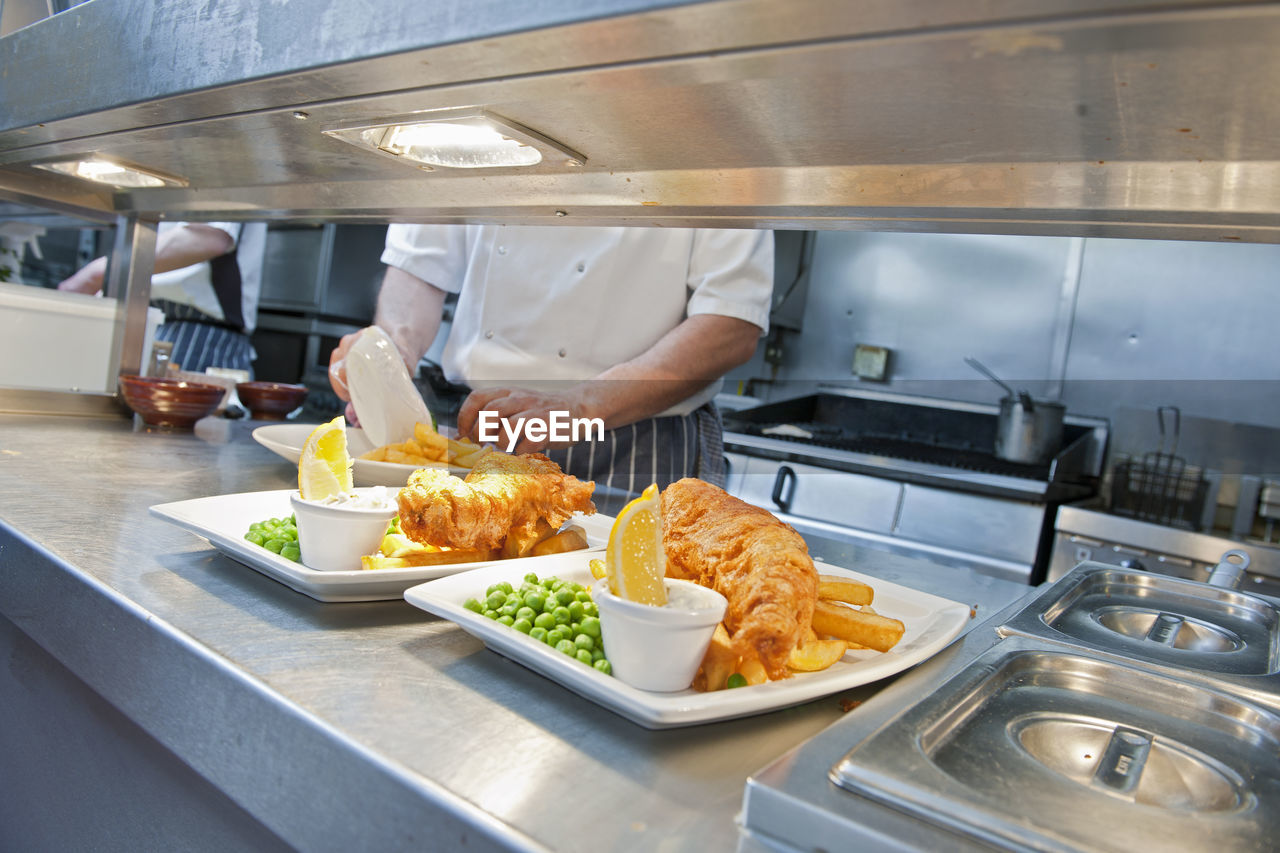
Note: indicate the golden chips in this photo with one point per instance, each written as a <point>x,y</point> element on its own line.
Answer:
<point>428,447</point>
<point>842,620</point>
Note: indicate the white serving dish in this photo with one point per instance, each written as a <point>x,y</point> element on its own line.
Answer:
<point>658,648</point>
<point>931,623</point>
<point>224,519</point>
<point>287,441</point>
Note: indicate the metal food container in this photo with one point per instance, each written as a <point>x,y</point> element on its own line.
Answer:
<point>1036,747</point>
<point>1113,710</point>
<point>1186,629</point>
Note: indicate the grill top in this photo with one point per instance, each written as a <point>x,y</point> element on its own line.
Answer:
<point>957,438</point>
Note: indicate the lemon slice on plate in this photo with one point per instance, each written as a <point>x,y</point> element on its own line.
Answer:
<point>324,468</point>
<point>634,560</point>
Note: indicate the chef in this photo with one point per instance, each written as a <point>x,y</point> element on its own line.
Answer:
<point>633,326</point>
<point>207,279</point>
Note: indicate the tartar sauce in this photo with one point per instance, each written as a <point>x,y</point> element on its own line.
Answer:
<point>375,497</point>
<point>689,597</point>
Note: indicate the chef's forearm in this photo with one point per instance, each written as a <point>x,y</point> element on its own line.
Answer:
<point>409,310</point>
<point>190,244</point>
<point>698,351</point>
<point>176,248</point>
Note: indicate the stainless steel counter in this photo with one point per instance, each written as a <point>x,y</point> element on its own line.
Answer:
<point>339,726</point>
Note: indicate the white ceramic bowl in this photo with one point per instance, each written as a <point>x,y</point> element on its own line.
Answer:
<point>333,537</point>
<point>658,648</point>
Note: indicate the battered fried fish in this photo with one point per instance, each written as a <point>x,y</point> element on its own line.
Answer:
<point>503,495</point>
<point>757,562</point>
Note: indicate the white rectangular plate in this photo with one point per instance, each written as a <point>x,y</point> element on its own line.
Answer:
<point>224,519</point>
<point>931,623</point>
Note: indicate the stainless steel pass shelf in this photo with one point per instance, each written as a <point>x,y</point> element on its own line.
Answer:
<point>1117,118</point>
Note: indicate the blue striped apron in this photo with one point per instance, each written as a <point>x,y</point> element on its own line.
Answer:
<point>656,450</point>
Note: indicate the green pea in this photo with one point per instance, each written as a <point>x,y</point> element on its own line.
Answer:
<point>506,620</point>
<point>549,583</point>
<point>582,641</point>
<point>255,536</point>
<point>561,615</point>
<point>291,551</point>
<point>531,578</point>
<point>591,626</point>
<point>509,609</point>
<point>576,610</point>
<point>737,679</point>
<point>526,612</point>
<point>563,597</point>
<point>567,647</point>
<point>491,614</point>
<point>554,636</point>
<point>524,626</point>
<point>604,666</point>
<point>584,656</point>
<point>273,545</point>
<point>539,634</point>
<point>590,610</point>
<point>545,621</point>
<point>473,605</point>
<point>535,601</point>
<point>550,604</point>
<point>597,654</point>
<point>583,596</point>
<point>575,628</point>
<point>496,599</point>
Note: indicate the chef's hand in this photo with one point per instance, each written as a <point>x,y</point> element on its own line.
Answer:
<point>338,371</point>
<point>338,374</point>
<point>87,279</point>
<point>512,404</point>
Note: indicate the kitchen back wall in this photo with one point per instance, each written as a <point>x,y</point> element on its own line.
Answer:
<point>1113,328</point>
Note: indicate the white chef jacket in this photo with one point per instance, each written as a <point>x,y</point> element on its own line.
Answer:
<point>193,285</point>
<point>539,305</point>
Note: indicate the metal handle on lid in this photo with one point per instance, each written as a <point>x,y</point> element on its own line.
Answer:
<point>1230,568</point>
<point>1164,630</point>
<point>1121,766</point>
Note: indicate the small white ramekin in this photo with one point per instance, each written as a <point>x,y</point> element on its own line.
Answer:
<point>333,537</point>
<point>657,648</point>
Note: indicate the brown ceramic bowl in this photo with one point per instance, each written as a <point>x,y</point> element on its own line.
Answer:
<point>170,402</point>
<point>270,401</point>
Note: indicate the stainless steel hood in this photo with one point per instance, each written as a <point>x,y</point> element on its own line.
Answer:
<point>1115,118</point>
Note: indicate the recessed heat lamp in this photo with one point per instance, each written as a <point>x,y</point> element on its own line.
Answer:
<point>453,139</point>
<point>102,170</point>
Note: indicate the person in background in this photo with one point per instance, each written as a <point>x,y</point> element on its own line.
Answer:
<point>207,279</point>
<point>636,326</point>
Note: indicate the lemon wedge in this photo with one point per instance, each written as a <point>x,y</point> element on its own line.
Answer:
<point>324,468</point>
<point>634,560</point>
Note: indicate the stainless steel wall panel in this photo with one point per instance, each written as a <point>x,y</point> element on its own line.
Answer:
<point>291,268</point>
<point>932,300</point>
